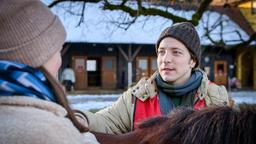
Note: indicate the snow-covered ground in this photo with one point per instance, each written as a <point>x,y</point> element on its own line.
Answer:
<point>244,96</point>
<point>87,102</point>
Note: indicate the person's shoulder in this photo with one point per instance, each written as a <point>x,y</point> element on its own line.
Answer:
<point>36,117</point>
<point>68,69</point>
<point>218,94</point>
<point>211,88</point>
<point>215,88</point>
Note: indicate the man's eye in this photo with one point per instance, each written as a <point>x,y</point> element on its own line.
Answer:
<point>160,51</point>
<point>177,52</point>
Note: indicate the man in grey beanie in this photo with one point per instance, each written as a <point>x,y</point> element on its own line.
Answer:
<point>34,107</point>
<point>178,82</point>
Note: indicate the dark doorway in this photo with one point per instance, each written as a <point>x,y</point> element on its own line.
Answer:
<point>94,71</point>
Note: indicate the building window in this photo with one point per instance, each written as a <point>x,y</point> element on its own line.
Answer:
<point>154,64</point>
<point>143,64</point>
<point>91,65</point>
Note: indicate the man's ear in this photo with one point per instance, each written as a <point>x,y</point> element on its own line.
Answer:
<point>192,63</point>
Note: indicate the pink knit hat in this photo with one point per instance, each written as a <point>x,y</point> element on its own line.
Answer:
<point>29,32</point>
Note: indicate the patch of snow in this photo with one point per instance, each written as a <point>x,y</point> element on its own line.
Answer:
<point>92,105</point>
<point>244,97</point>
<point>87,102</point>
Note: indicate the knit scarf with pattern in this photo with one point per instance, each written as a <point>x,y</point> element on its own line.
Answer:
<point>21,80</point>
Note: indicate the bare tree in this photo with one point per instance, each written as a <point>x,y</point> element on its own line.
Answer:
<point>136,8</point>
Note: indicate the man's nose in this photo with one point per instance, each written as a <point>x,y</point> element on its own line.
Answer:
<point>167,58</point>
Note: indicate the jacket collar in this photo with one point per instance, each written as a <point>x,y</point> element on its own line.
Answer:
<point>145,88</point>
<point>202,90</point>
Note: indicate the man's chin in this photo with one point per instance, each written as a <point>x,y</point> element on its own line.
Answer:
<point>168,79</point>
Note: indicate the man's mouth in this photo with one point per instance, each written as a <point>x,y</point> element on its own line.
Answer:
<point>168,69</point>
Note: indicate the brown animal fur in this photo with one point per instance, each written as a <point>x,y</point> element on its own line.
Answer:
<point>212,125</point>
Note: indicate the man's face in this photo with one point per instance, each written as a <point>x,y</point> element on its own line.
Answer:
<point>174,61</point>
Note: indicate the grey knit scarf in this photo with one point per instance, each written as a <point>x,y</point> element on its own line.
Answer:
<point>180,90</point>
<point>168,92</point>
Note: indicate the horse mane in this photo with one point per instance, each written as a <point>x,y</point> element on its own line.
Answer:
<point>211,125</point>
<point>152,122</point>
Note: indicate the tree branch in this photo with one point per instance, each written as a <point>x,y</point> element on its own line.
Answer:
<point>82,15</point>
<point>200,10</point>
<point>144,11</point>
<point>56,2</point>
<point>141,10</point>
<point>245,43</point>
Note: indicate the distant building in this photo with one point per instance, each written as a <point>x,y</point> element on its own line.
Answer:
<point>105,57</point>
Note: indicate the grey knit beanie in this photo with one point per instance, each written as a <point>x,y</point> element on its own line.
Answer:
<point>186,33</point>
<point>29,32</point>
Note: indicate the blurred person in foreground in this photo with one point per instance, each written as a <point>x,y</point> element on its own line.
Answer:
<point>178,82</point>
<point>33,106</point>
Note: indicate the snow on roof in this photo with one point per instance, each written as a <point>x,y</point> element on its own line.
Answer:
<point>99,26</point>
